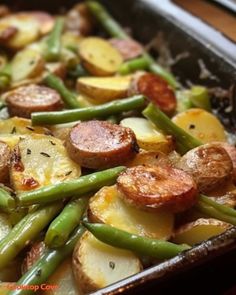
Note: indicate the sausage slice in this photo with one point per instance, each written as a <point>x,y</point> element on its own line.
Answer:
<point>156,89</point>
<point>209,164</point>
<point>25,100</point>
<point>5,154</point>
<point>159,187</point>
<point>101,144</point>
<point>128,48</point>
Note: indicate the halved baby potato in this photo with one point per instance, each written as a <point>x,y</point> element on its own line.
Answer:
<point>99,57</point>
<point>41,160</point>
<point>103,89</point>
<point>198,231</point>
<point>201,124</point>
<point>148,137</point>
<point>26,64</point>
<point>27,26</point>
<point>97,265</point>
<point>107,207</point>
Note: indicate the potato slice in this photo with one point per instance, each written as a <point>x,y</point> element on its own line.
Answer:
<point>17,125</point>
<point>56,68</point>
<point>201,124</point>
<point>99,57</point>
<point>71,40</point>
<point>26,64</point>
<point>148,137</point>
<point>104,89</point>
<point>86,101</point>
<point>62,281</point>
<point>200,230</point>
<point>107,207</point>
<point>41,160</point>
<point>97,265</point>
<point>28,29</point>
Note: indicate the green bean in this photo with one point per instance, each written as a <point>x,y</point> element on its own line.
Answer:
<point>222,208</point>
<point>140,63</point>
<point>88,113</point>
<point>199,97</point>
<point>69,98</point>
<point>54,41</point>
<point>213,212</point>
<point>24,231</point>
<point>183,100</point>
<point>142,245</point>
<point>5,76</point>
<point>6,200</point>
<point>78,187</point>
<point>115,30</point>
<point>184,141</point>
<point>46,265</point>
<point>62,226</point>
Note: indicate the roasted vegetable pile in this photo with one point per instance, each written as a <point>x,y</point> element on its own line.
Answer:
<point>107,164</point>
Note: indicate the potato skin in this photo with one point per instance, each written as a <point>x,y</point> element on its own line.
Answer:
<point>209,165</point>
<point>100,144</point>
<point>152,188</point>
<point>5,154</point>
<point>32,256</point>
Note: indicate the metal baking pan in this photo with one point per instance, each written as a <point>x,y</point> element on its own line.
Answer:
<point>208,268</point>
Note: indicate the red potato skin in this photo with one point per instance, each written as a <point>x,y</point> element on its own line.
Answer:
<point>25,100</point>
<point>128,48</point>
<point>7,34</point>
<point>156,90</point>
<point>101,144</point>
<point>32,256</point>
<point>5,155</point>
<point>157,187</point>
<point>209,165</point>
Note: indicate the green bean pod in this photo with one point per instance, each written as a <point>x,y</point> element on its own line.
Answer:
<point>24,231</point>
<point>184,141</point>
<point>62,226</point>
<point>46,265</point>
<point>75,187</point>
<point>142,245</point>
<point>6,200</point>
<point>130,66</point>
<point>89,113</point>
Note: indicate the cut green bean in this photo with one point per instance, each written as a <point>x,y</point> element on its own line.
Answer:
<point>63,225</point>
<point>200,98</point>
<point>140,63</point>
<point>69,98</point>
<point>115,30</point>
<point>75,187</point>
<point>6,200</point>
<point>46,265</point>
<point>54,41</point>
<point>89,113</point>
<point>222,208</point>
<point>184,141</point>
<point>214,213</point>
<point>142,245</point>
<point>24,231</point>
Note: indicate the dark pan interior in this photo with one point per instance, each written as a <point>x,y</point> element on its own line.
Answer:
<point>213,259</point>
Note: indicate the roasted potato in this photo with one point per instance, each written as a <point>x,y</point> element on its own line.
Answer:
<point>107,207</point>
<point>27,64</point>
<point>112,264</point>
<point>201,124</point>
<point>40,160</point>
<point>63,280</point>
<point>198,231</point>
<point>27,29</point>
<point>104,61</point>
<point>71,41</point>
<point>148,137</point>
<point>104,89</point>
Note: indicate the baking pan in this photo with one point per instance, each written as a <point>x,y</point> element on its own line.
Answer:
<point>207,268</point>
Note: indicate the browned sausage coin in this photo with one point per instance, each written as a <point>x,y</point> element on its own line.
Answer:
<point>25,100</point>
<point>128,48</point>
<point>209,164</point>
<point>153,188</point>
<point>5,154</point>
<point>101,144</point>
